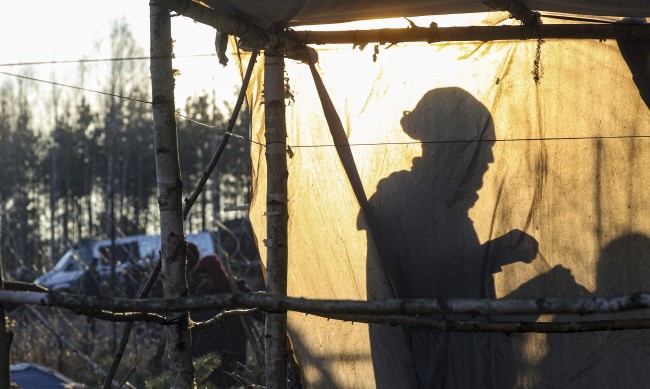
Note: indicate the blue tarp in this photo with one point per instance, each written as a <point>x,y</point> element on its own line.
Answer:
<point>34,376</point>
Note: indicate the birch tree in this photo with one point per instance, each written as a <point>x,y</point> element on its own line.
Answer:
<point>170,192</point>
<point>5,342</point>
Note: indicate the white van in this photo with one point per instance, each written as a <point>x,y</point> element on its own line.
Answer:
<point>132,251</point>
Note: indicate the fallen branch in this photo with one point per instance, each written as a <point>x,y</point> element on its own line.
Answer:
<point>91,305</point>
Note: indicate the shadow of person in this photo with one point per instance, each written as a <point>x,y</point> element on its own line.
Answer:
<point>636,53</point>
<point>429,246</point>
<point>624,268</point>
<point>595,359</point>
<point>550,360</point>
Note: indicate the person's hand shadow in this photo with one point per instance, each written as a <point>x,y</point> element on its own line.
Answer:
<point>515,246</point>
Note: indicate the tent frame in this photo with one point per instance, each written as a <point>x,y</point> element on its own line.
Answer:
<point>293,44</point>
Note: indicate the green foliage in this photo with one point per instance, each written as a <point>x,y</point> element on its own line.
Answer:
<point>203,367</point>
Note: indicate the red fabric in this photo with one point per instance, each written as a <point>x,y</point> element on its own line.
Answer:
<point>212,265</point>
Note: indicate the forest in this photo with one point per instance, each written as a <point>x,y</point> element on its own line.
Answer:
<point>78,165</point>
<point>89,172</point>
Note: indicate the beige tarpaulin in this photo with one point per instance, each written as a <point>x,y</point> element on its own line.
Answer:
<point>482,183</point>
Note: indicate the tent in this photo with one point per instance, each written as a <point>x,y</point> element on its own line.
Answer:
<point>479,168</point>
<point>34,376</point>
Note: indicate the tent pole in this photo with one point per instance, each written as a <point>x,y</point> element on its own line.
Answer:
<point>276,218</point>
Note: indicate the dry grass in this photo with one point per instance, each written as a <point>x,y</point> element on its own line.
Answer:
<point>61,342</point>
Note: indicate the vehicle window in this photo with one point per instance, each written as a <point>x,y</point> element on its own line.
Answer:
<point>69,262</point>
<point>123,252</point>
<point>85,254</point>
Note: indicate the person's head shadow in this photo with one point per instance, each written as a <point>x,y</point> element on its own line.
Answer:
<point>425,237</point>
<point>457,135</point>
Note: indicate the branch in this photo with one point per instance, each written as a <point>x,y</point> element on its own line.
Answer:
<point>90,305</point>
<point>189,202</point>
<point>379,312</point>
<point>125,317</point>
<point>218,318</point>
<point>24,286</point>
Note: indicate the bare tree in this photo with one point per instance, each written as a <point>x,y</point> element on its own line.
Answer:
<point>170,193</point>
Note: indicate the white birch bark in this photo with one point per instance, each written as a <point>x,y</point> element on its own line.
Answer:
<point>170,193</point>
<point>276,219</point>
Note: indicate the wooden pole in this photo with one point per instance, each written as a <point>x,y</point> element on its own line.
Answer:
<point>170,194</point>
<point>276,218</point>
<point>476,33</point>
<point>120,309</point>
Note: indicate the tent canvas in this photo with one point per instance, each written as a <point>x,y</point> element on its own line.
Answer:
<point>275,14</point>
<point>485,183</point>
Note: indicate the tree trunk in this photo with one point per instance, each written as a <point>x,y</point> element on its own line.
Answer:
<point>170,194</point>
<point>66,216</point>
<point>6,337</point>
<point>204,203</point>
<point>88,184</point>
<point>53,182</point>
<point>276,218</point>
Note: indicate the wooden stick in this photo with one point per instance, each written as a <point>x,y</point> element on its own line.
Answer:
<point>224,141</point>
<point>595,305</point>
<point>276,219</point>
<point>89,305</point>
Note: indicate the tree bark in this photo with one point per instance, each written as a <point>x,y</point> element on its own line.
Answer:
<point>6,337</point>
<point>276,218</point>
<point>170,194</point>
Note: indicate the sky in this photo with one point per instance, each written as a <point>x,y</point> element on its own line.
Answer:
<point>47,30</point>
